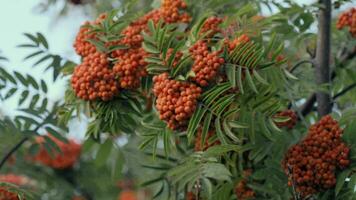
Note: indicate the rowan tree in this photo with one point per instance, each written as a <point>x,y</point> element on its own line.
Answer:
<point>202,99</point>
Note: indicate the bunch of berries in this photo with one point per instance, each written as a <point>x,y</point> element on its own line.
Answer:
<point>93,79</point>
<point>236,42</point>
<point>291,122</point>
<point>171,11</point>
<point>127,195</point>
<point>132,33</point>
<point>208,143</point>
<point>206,64</point>
<point>81,45</point>
<point>131,67</point>
<point>5,194</point>
<point>60,160</point>
<point>211,25</point>
<point>15,179</point>
<point>176,101</point>
<point>76,197</point>
<point>190,196</point>
<point>176,59</point>
<point>241,190</point>
<point>348,18</point>
<point>312,163</point>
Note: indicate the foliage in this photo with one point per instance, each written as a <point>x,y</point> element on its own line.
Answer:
<point>125,137</point>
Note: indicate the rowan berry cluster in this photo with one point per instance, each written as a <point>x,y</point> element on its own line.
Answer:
<point>241,190</point>
<point>236,42</point>
<point>5,194</point>
<point>176,59</point>
<point>76,197</point>
<point>206,64</point>
<point>127,195</point>
<point>190,196</point>
<point>94,79</point>
<point>171,11</point>
<point>311,164</point>
<point>211,25</point>
<point>15,179</point>
<point>291,122</point>
<point>130,67</point>
<point>207,144</point>
<point>81,44</point>
<point>348,18</point>
<point>176,101</point>
<point>60,160</point>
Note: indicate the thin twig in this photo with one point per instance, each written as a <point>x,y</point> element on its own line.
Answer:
<point>300,63</point>
<point>21,142</point>
<point>12,150</point>
<point>344,91</point>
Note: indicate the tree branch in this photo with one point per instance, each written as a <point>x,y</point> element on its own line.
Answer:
<point>322,58</point>
<point>308,106</point>
<point>344,91</point>
<point>298,64</point>
<point>12,150</point>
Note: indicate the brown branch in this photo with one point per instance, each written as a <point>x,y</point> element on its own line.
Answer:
<point>322,58</point>
<point>12,150</point>
<point>308,106</point>
<point>344,91</point>
<point>300,63</point>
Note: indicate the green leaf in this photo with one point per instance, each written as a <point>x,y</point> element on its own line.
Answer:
<point>56,134</point>
<point>21,78</point>
<point>32,38</point>
<point>44,58</point>
<point>103,153</point>
<point>219,150</point>
<point>216,171</point>
<point>250,81</point>
<point>194,121</point>
<point>44,86</point>
<point>259,77</point>
<point>231,74</point>
<point>32,81</point>
<point>34,54</point>
<point>42,40</point>
<point>23,97</point>
<point>10,93</point>
<point>34,100</point>
<point>341,178</point>
<point>150,48</point>
<point>239,79</point>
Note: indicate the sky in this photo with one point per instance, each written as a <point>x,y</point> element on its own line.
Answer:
<point>19,16</point>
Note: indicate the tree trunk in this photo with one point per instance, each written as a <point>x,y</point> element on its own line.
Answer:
<point>322,59</point>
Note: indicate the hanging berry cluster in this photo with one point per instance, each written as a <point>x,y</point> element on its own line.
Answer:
<point>241,190</point>
<point>94,79</point>
<point>176,101</point>
<point>291,122</point>
<point>311,164</point>
<point>82,45</point>
<point>348,19</point>
<point>5,194</point>
<point>15,179</point>
<point>236,42</point>
<point>206,64</point>
<point>211,26</point>
<point>207,144</point>
<point>60,160</point>
<point>171,11</point>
